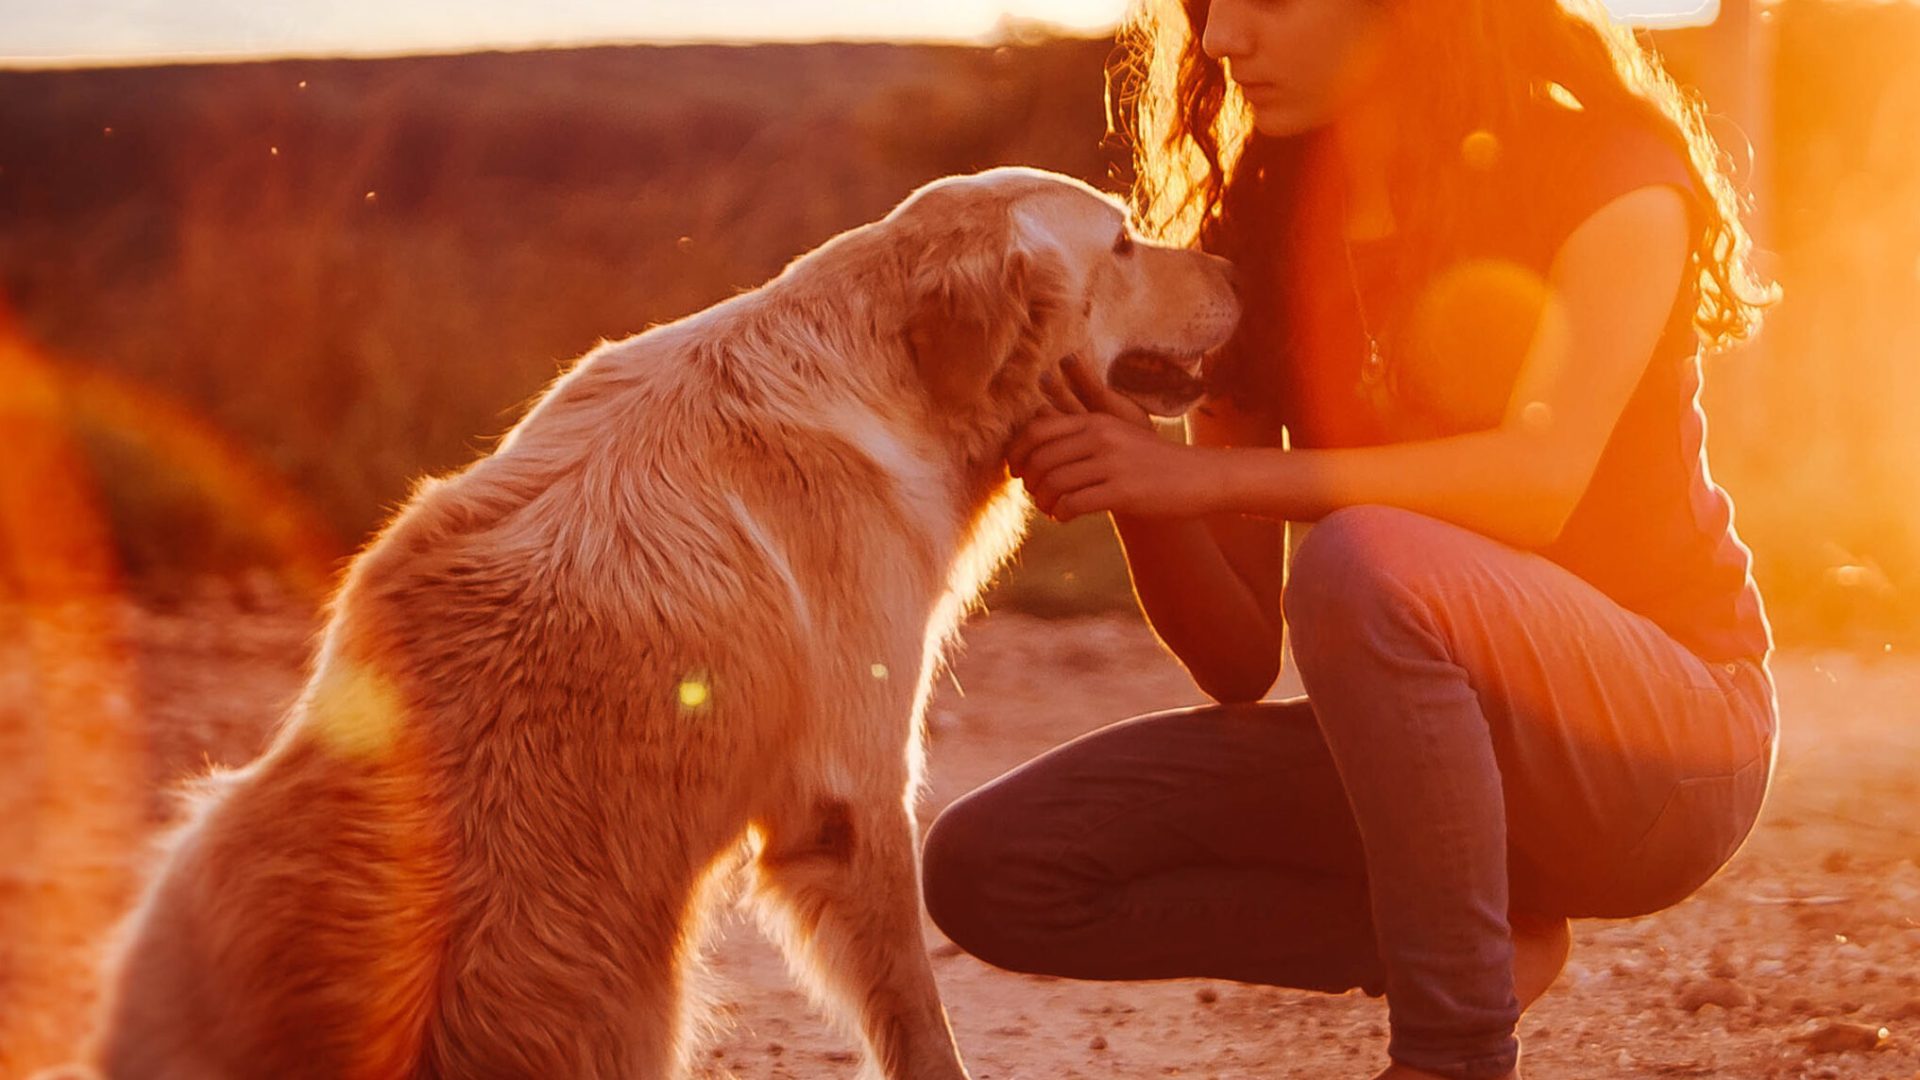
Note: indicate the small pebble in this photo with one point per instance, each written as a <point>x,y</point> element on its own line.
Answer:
<point>1695,994</point>
<point>1842,1037</point>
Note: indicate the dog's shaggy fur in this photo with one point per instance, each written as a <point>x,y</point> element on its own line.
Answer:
<point>687,613</point>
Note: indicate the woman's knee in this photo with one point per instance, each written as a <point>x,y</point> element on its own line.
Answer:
<point>965,847</point>
<point>1356,566</point>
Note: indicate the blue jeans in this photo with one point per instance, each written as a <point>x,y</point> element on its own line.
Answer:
<point>1484,735</point>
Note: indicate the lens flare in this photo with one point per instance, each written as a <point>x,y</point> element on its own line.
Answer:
<point>75,780</point>
<point>356,712</point>
<point>1469,333</point>
<point>694,694</point>
<point>74,790</point>
<point>1480,150</point>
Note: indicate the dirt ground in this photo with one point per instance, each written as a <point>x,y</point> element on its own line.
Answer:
<point>1808,945</point>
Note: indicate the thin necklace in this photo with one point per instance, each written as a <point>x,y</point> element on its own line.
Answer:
<point>1374,370</point>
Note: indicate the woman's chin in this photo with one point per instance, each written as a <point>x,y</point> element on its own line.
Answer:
<point>1277,122</point>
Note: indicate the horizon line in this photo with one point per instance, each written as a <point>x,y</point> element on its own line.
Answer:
<point>1009,31</point>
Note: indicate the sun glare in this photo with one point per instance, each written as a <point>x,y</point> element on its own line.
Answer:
<point>1665,13</point>
<point>82,31</point>
<point>1085,15</point>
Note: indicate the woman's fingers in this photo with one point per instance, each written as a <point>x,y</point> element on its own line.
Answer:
<point>1085,387</point>
<point>1086,500</point>
<point>1058,453</point>
<point>1048,487</point>
<point>1016,451</point>
<point>1039,432</point>
<point>1060,394</point>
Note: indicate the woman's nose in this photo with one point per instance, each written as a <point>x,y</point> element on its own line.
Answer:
<point>1222,37</point>
<point>1216,37</point>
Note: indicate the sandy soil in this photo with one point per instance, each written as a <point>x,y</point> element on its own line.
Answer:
<point>1809,942</point>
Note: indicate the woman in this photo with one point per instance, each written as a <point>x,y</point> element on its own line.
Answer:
<point>1481,243</point>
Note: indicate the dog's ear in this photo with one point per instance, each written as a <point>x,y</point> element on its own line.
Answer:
<point>967,318</point>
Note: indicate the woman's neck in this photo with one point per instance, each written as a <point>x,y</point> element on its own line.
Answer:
<point>1363,138</point>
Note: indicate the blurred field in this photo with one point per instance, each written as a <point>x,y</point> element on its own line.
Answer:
<point>277,292</point>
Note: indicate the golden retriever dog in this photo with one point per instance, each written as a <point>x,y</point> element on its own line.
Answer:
<point>678,628</point>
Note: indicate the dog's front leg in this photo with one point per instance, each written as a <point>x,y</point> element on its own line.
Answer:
<point>838,876</point>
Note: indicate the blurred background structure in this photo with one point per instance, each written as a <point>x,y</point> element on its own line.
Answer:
<point>275,292</point>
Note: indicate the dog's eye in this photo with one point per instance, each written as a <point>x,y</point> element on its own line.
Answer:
<point>1124,245</point>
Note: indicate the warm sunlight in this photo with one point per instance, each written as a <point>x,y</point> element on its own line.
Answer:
<point>117,30</point>
<point>1665,13</point>
<point>659,539</point>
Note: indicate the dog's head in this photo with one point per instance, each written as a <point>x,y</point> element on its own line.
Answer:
<point>1011,270</point>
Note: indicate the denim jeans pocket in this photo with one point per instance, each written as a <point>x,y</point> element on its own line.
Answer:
<point>1702,823</point>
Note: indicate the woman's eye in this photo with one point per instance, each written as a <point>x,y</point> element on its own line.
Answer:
<point>1124,245</point>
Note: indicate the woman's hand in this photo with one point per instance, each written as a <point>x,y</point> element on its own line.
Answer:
<point>1094,450</point>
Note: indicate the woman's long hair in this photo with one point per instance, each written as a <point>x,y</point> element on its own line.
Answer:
<point>1468,70</point>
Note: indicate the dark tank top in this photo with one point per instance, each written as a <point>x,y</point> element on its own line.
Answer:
<point>1652,531</point>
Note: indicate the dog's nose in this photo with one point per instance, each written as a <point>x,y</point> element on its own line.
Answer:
<point>1232,276</point>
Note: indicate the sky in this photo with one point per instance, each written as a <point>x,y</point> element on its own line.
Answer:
<point>49,31</point>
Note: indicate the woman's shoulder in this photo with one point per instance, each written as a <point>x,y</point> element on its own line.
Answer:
<point>1570,162</point>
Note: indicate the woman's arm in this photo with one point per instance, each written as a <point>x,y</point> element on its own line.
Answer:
<point>1610,289</point>
<point>1211,586</point>
<point>1224,633</point>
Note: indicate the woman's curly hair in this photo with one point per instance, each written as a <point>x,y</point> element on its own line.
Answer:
<point>1202,176</point>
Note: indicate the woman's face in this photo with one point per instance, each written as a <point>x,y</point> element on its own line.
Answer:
<point>1299,62</point>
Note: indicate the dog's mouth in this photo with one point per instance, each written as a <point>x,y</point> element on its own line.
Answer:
<point>1163,383</point>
